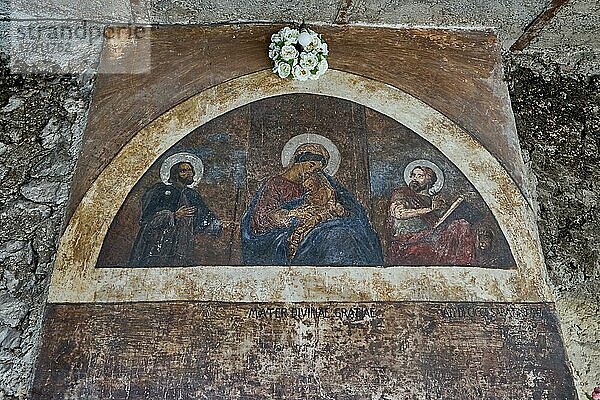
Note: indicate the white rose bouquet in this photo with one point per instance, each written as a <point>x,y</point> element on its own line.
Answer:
<point>298,54</point>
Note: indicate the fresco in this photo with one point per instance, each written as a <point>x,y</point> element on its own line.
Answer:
<point>172,214</point>
<point>304,180</point>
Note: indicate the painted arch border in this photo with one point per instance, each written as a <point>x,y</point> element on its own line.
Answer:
<point>76,280</point>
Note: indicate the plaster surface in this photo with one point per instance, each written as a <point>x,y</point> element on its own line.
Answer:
<point>104,11</point>
<point>572,38</point>
<point>193,12</point>
<point>573,110</point>
<point>76,280</point>
<point>508,18</point>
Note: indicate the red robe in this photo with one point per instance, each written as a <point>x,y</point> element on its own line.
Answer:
<point>452,243</point>
<point>276,193</point>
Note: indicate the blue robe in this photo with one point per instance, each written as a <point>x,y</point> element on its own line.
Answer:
<point>348,240</point>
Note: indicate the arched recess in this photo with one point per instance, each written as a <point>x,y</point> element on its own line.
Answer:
<point>76,280</point>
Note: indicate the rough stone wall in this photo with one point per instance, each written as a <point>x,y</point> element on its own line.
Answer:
<point>558,121</point>
<point>41,123</point>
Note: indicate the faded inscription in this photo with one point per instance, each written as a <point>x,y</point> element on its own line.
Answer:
<point>356,313</point>
<point>407,350</point>
<point>493,311</point>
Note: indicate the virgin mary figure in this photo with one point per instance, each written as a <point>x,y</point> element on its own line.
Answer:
<point>303,216</point>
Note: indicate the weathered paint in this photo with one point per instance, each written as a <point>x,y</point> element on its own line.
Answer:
<point>236,153</point>
<point>348,351</point>
<point>457,72</point>
<point>76,280</point>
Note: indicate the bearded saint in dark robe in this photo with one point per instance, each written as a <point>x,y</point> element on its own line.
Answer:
<point>303,216</point>
<point>171,217</point>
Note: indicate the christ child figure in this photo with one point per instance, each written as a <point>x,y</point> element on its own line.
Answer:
<point>320,206</point>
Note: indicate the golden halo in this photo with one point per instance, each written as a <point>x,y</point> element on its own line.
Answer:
<point>195,161</point>
<point>287,154</point>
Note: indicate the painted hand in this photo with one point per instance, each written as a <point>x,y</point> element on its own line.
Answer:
<point>185,211</point>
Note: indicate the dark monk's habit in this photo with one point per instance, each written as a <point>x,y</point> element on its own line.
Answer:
<point>165,240</point>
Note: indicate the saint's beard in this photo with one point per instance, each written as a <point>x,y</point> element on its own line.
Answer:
<point>186,181</point>
<point>417,187</point>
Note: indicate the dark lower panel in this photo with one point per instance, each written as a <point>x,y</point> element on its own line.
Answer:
<point>371,351</point>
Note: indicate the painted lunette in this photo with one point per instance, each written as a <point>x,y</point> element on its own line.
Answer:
<point>76,280</point>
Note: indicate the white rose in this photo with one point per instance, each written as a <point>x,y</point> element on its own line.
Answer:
<point>323,65</point>
<point>300,73</point>
<point>274,52</point>
<point>308,60</point>
<point>314,44</point>
<point>276,38</point>
<point>290,36</point>
<point>324,49</point>
<point>316,41</point>
<point>288,52</point>
<point>284,69</point>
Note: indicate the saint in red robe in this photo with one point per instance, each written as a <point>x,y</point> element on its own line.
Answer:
<point>416,240</point>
